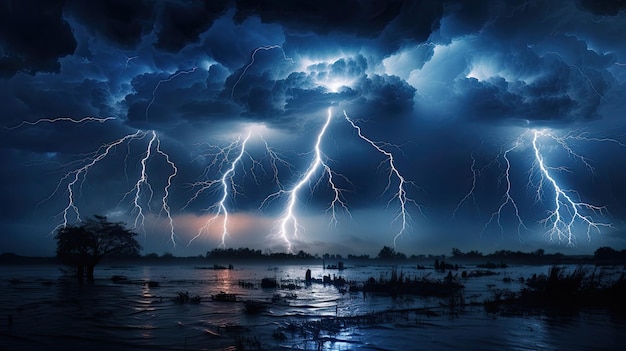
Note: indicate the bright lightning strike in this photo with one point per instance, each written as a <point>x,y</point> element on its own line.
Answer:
<point>288,226</point>
<point>225,183</point>
<point>142,183</point>
<point>507,199</point>
<point>400,194</point>
<point>567,209</point>
<point>166,191</point>
<point>77,176</point>
<point>62,119</point>
<point>143,186</point>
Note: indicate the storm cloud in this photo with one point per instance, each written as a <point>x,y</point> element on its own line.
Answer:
<point>446,87</point>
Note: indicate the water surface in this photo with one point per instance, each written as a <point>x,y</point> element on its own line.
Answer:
<point>53,312</point>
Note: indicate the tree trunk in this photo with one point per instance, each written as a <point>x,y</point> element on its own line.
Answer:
<point>80,272</point>
<point>89,272</point>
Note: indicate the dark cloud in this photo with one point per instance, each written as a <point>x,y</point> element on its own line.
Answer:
<point>389,95</point>
<point>33,36</point>
<point>604,7</point>
<point>122,22</point>
<point>182,23</point>
<point>511,66</point>
<point>391,23</point>
<point>560,93</point>
<point>326,83</point>
<point>443,85</point>
<point>415,23</point>
<point>464,18</point>
<point>362,18</point>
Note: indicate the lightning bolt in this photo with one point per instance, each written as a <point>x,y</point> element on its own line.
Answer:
<point>62,119</point>
<point>585,137</point>
<point>288,225</point>
<point>142,182</point>
<point>580,71</point>
<point>400,194</point>
<point>75,180</point>
<point>275,160</point>
<point>567,209</point>
<point>507,199</point>
<point>471,193</point>
<point>128,59</point>
<point>225,182</point>
<point>165,81</point>
<point>252,58</point>
<point>164,201</point>
<point>78,176</point>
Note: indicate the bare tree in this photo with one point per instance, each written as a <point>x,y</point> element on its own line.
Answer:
<point>83,246</point>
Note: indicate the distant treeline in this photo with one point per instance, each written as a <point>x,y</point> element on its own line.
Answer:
<point>607,255</point>
<point>385,254</point>
<point>245,253</point>
<point>507,255</point>
<point>603,255</point>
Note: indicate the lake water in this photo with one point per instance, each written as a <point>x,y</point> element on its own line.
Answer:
<point>52,312</point>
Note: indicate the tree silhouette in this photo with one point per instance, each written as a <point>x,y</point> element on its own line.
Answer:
<point>83,246</point>
<point>388,253</point>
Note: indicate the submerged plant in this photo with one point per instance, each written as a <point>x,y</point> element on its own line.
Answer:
<point>560,289</point>
<point>184,297</point>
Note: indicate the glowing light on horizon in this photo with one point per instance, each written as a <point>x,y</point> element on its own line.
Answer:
<point>225,182</point>
<point>221,158</point>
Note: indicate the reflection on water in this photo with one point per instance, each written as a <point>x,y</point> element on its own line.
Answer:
<point>51,312</point>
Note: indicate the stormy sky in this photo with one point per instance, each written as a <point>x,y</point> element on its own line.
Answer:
<point>482,125</point>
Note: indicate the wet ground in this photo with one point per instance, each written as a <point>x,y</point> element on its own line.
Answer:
<point>41,309</point>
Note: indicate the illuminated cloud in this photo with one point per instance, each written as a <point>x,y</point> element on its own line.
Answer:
<point>451,83</point>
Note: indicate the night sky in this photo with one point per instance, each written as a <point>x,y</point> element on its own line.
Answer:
<point>515,100</point>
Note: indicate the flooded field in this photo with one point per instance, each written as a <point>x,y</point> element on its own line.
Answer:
<point>173,307</point>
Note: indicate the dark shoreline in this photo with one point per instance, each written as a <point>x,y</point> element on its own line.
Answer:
<point>12,259</point>
<point>202,262</point>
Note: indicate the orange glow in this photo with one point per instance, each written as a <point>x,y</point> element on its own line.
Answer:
<point>240,226</point>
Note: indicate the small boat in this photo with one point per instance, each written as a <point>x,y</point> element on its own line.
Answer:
<point>254,306</point>
<point>224,297</point>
